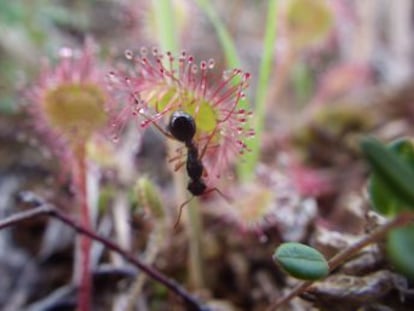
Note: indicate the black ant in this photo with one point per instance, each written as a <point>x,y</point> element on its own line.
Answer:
<point>182,127</point>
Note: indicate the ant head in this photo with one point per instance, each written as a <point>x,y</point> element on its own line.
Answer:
<point>182,126</point>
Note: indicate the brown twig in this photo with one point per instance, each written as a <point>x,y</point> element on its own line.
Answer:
<point>347,253</point>
<point>47,209</point>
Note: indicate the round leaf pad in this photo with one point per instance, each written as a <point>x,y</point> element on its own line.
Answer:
<point>301,261</point>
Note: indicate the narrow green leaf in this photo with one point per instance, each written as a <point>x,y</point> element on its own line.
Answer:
<point>226,41</point>
<point>393,171</point>
<point>301,261</point>
<point>400,249</point>
<point>224,36</point>
<point>246,168</point>
<point>165,22</point>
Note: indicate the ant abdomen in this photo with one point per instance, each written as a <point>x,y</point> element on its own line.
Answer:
<point>196,187</point>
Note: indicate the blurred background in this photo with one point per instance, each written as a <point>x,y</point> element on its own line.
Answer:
<point>339,69</point>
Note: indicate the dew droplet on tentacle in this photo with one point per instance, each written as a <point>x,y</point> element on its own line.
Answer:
<point>128,54</point>
<point>227,74</point>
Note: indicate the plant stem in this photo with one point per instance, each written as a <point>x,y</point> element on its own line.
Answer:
<point>46,209</point>
<point>192,226</point>
<point>341,257</point>
<point>194,229</point>
<point>84,247</point>
<point>224,36</point>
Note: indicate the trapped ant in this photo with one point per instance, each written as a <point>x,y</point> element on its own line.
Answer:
<point>182,127</point>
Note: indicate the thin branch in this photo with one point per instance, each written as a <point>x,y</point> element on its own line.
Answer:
<point>347,253</point>
<point>22,216</point>
<point>47,209</point>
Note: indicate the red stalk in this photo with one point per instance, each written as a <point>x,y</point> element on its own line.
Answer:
<point>83,250</point>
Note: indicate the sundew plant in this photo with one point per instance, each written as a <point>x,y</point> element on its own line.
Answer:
<point>206,155</point>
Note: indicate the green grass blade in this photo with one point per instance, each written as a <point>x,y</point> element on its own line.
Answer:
<point>246,168</point>
<point>166,27</point>
<point>225,38</point>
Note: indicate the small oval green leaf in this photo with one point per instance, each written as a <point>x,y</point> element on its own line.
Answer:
<point>390,186</point>
<point>301,261</point>
<point>400,249</point>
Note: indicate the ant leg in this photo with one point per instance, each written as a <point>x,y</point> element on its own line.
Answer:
<point>175,158</point>
<point>179,165</point>
<point>181,210</point>
<point>225,197</point>
<point>180,154</point>
<point>164,132</point>
<point>210,137</point>
<point>151,120</point>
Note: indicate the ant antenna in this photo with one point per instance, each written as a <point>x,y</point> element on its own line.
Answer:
<point>210,137</point>
<point>149,119</point>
